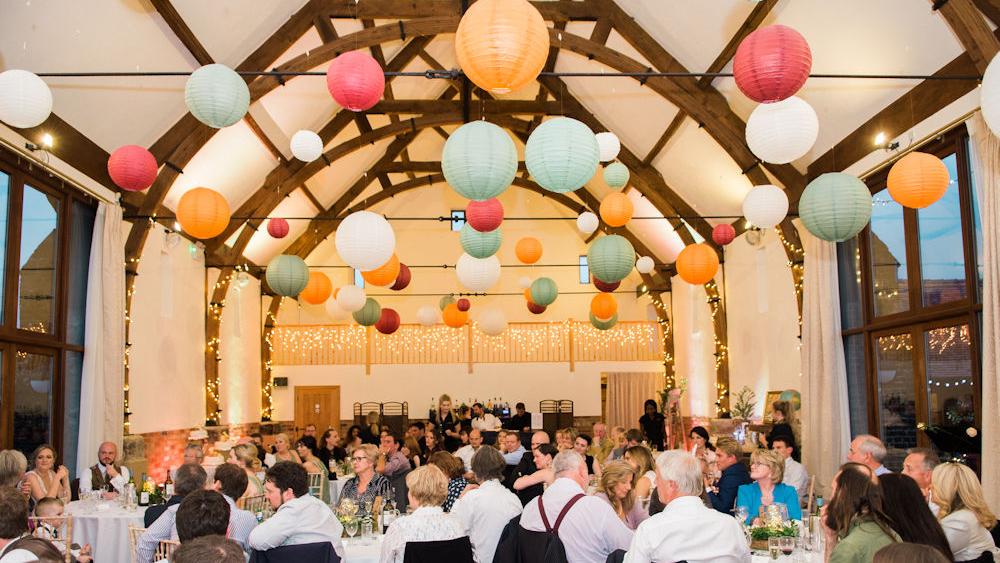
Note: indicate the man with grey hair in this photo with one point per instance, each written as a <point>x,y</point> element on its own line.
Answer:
<point>589,528</point>
<point>918,465</point>
<point>686,529</point>
<point>868,451</point>
<point>486,510</point>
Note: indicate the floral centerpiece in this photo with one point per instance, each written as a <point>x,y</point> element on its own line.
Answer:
<point>155,494</point>
<point>347,511</point>
<point>771,524</point>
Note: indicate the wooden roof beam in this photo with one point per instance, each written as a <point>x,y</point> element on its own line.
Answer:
<point>753,21</point>
<point>560,11</point>
<point>967,23</point>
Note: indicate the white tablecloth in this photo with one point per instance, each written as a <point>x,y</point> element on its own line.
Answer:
<point>336,487</point>
<point>105,527</point>
<point>354,552</point>
<point>799,556</point>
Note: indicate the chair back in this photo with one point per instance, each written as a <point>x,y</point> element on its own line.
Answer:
<point>255,504</point>
<point>319,552</point>
<point>316,484</point>
<point>398,482</point>
<point>58,530</point>
<point>133,541</point>
<point>165,551</point>
<point>458,550</point>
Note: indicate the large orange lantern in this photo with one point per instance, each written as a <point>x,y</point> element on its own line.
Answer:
<point>697,264</point>
<point>616,210</point>
<point>203,213</point>
<point>502,44</point>
<point>383,275</point>
<point>528,250</point>
<point>318,288</point>
<point>603,305</point>
<point>918,180</point>
<point>454,317</point>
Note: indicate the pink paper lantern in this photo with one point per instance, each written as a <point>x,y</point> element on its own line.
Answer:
<point>484,216</point>
<point>132,168</point>
<point>355,80</point>
<point>772,63</point>
<point>605,286</point>
<point>277,227</point>
<point>388,321</point>
<point>463,304</point>
<point>723,234</point>
<point>402,278</point>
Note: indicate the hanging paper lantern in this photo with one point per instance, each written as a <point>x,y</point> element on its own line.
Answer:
<point>792,397</point>
<point>765,206</point>
<point>478,244</point>
<point>479,160</point>
<point>336,312</point>
<point>608,146</point>
<point>605,286</point>
<point>561,154</point>
<point>477,274</point>
<point>772,63</point>
<point>484,216</point>
<point>306,145</point>
<point>835,206</point>
<point>445,301</point>
<point>527,293</point>
<point>616,175</point>
<point>723,234</point>
<point>502,45</point>
<point>351,298</point>
<point>287,275</point>
<point>535,308</point>
<point>355,80</point>
<point>524,282</point>
<point>492,321</point>
<point>317,289</point>
<point>989,96</point>
<point>697,264</point>
<point>587,222</point>
<point>611,258</point>
<point>603,306</point>
<point>427,315</point>
<point>365,240</point>
<point>369,314</point>
<point>918,180</point>
<point>385,274</point>
<point>643,265</point>
<point>277,227</point>
<point>203,213</point>
<point>605,324</point>
<point>544,291</point>
<point>455,317</point>
<point>402,279</point>
<point>528,250</point>
<point>616,209</point>
<point>217,95</point>
<point>463,304</point>
<point>388,321</point>
<point>782,132</point>
<point>25,99</point>
<point>132,168</point>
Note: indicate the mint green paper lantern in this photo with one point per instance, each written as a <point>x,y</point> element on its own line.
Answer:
<point>369,314</point>
<point>217,95</point>
<point>477,244</point>
<point>616,175</point>
<point>479,160</point>
<point>611,258</point>
<point>603,325</point>
<point>543,291</point>
<point>445,301</point>
<point>835,206</point>
<point>287,275</point>
<point>561,154</point>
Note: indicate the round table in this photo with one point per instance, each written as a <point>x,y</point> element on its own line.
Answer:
<point>104,525</point>
<point>807,557</point>
<point>356,552</point>
<point>336,487</point>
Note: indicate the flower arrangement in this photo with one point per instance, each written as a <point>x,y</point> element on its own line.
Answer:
<point>746,402</point>
<point>155,494</point>
<point>347,511</point>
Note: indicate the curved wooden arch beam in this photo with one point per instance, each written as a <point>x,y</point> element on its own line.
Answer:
<point>968,25</point>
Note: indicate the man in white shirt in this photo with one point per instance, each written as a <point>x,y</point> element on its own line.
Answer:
<point>591,530</point>
<point>482,420</point>
<point>918,465</point>
<point>484,511</point>
<point>686,529</point>
<point>298,518</point>
<point>513,450</point>
<point>106,475</point>
<point>869,451</point>
<point>466,452</point>
<point>795,474</point>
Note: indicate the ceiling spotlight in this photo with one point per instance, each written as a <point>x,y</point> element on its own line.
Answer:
<point>880,139</point>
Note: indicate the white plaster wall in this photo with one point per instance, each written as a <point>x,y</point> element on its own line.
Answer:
<point>239,370</point>
<point>694,347</point>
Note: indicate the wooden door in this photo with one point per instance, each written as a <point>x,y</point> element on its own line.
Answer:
<point>319,405</point>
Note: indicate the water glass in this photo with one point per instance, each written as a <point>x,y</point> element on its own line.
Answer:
<point>351,527</point>
<point>366,531</point>
<point>742,513</point>
<point>774,547</point>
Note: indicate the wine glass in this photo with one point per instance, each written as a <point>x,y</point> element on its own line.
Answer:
<point>742,513</point>
<point>351,527</point>
<point>787,545</point>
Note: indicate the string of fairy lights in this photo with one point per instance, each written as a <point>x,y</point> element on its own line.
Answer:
<point>939,340</point>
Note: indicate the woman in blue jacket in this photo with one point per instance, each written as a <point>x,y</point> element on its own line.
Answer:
<point>766,469</point>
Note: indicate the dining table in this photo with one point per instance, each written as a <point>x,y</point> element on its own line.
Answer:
<point>363,550</point>
<point>799,556</point>
<point>104,525</point>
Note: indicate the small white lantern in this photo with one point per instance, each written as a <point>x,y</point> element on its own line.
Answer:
<point>25,99</point>
<point>587,222</point>
<point>351,298</point>
<point>478,274</point>
<point>644,265</point>
<point>782,132</point>
<point>765,206</point>
<point>524,282</point>
<point>335,311</point>
<point>365,240</point>
<point>306,145</point>
<point>427,315</point>
<point>608,146</point>
<point>492,321</point>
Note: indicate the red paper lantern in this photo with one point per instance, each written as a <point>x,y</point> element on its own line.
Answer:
<point>772,63</point>
<point>132,168</point>
<point>536,308</point>
<point>355,80</point>
<point>484,216</point>
<point>402,278</point>
<point>605,286</point>
<point>388,321</point>
<point>723,234</point>
<point>463,304</point>
<point>277,227</point>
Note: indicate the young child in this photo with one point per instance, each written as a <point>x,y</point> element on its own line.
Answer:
<point>51,528</point>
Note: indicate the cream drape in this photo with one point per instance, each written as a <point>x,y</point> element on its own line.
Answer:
<point>626,394</point>
<point>101,404</point>
<point>986,163</point>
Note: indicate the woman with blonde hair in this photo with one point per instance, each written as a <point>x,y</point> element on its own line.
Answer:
<point>964,514</point>
<point>641,460</point>
<point>615,487</point>
<point>427,489</point>
<point>245,457</point>
<point>767,468</point>
<point>13,464</point>
<point>282,451</point>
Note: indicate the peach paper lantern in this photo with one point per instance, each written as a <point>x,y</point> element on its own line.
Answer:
<point>385,274</point>
<point>203,213</point>
<point>318,288</point>
<point>455,317</point>
<point>616,210</point>
<point>603,306</point>
<point>918,180</point>
<point>502,44</point>
<point>697,264</point>
<point>528,250</point>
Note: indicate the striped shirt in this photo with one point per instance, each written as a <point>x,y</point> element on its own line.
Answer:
<point>241,523</point>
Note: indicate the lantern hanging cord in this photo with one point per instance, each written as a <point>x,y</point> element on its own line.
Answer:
<point>440,219</point>
<point>416,266</point>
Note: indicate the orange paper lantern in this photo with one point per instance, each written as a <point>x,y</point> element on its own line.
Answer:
<point>528,250</point>
<point>203,213</point>
<point>317,289</point>
<point>918,180</point>
<point>454,317</point>
<point>616,210</point>
<point>527,294</point>
<point>603,306</point>
<point>502,44</point>
<point>383,275</point>
<point>697,264</point>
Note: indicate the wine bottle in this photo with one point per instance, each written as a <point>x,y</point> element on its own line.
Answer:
<point>143,493</point>
<point>168,486</point>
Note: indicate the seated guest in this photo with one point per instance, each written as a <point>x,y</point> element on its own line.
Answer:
<point>282,451</point>
<point>106,475</point>
<point>189,478</point>
<point>512,451</point>
<point>795,474</point>
<point>392,461</point>
<point>565,439</point>
<point>310,431</point>
<point>734,473</point>
<point>766,469</point>
<point>919,465</point>
<point>590,529</point>
<point>527,467</point>
<point>453,469</point>
<point>601,445</point>
<point>258,441</point>
<point>907,509</point>
<point>868,451</point>
<point>520,421</point>
<point>544,474</point>
<point>194,454</point>
<point>16,545</point>
<point>964,513</point>
<point>482,420</point>
<point>366,483</point>
<point>416,430</point>
<point>686,530</point>
<point>616,488</point>
<point>412,451</point>
<point>245,457</point>
<point>581,445</point>
<point>700,441</point>
<point>206,512</point>
<point>353,439</point>
<point>781,415</point>
<point>433,443</point>
<point>641,460</point>
<point>855,522</point>
<point>466,452</point>
<point>13,466</point>
<point>909,553</point>
<point>618,442</point>
<point>314,466</point>
<point>652,424</point>
<point>233,483</point>
<point>45,478</point>
<point>427,489</point>
<point>484,511</point>
<point>298,517</point>
<point>330,448</point>
<point>217,549</point>
<point>51,527</point>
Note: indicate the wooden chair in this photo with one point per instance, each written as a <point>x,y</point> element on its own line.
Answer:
<point>316,484</point>
<point>133,541</point>
<point>256,504</point>
<point>165,550</point>
<point>56,529</point>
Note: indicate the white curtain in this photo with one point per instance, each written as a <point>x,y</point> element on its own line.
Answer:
<point>101,404</point>
<point>626,394</point>
<point>986,163</point>
<point>825,417</point>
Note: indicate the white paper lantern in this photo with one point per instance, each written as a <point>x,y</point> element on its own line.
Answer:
<point>492,321</point>
<point>608,146</point>
<point>644,265</point>
<point>335,311</point>
<point>782,132</point>
<point>524,282</point>
<point>989,95</point>
<point>365,240</point>
<point>587,222</point>
<point>351,298</point>
<point>765,206</point>
<point>477,274</point>
<point>306,145</point>
<point>428,315</point>
<point>25,99</point>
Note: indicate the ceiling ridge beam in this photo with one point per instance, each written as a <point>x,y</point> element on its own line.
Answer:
<point>560,11</point>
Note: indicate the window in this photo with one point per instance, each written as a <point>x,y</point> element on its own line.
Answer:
<point>457,219</point>
<point>359,280</point>
<point>584,270</point>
